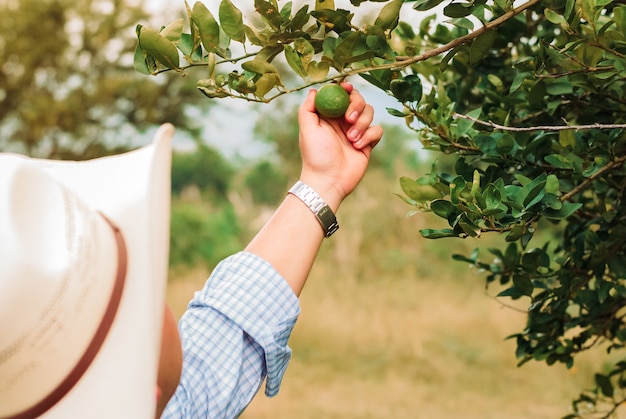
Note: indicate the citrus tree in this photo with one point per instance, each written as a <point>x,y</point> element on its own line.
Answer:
<point>528,97</point>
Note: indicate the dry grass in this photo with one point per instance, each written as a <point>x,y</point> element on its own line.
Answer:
<point>391,328</point>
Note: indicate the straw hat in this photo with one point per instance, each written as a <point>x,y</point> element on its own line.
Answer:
<point>83,267</point>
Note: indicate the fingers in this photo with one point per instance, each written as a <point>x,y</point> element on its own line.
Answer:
<point>307,117</point>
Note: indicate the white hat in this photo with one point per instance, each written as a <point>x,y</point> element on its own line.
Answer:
<point>83,268</point>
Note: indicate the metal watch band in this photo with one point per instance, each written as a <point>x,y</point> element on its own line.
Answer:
<point>322,211</point>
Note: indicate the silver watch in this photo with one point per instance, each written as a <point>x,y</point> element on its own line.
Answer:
<point>322,211</point>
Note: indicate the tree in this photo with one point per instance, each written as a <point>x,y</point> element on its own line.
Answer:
<point>67,87</point>
<point>528,98</point>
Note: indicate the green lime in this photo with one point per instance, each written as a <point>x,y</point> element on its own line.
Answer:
<point>332,101</point>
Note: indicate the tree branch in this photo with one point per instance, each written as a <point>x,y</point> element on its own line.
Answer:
<point>539,127</point>
<point>610,166</point>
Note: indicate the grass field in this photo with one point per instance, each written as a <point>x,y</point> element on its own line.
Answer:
<point>392,328</point>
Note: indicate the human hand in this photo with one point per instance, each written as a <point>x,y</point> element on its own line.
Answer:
<point>336,152</point>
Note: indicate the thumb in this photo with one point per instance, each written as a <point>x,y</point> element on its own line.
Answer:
<point>307,117</point>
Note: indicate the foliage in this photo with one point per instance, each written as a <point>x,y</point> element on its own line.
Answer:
<point>204,168</point>
<point>203,235</point>
<point>529,99</point>
<point>267,183</point>
<point>66,85</point>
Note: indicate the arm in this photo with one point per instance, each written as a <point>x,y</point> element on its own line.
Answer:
<point>335,154</point>
<point>234,332</point>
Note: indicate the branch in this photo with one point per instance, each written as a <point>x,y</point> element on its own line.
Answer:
<point>404,62</point>
<point>610,166</point>
<point>539,127</point>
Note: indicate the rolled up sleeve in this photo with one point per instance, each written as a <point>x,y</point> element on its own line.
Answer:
<point>234,334</point>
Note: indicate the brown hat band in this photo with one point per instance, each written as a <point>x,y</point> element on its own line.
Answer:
<point>94,346</point>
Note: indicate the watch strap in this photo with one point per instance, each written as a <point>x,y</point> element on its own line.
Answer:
<point>316,204</point>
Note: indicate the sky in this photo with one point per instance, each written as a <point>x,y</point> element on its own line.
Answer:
<point>229,126</point>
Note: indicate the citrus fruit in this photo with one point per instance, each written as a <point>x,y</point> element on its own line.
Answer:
<point>332,101</point>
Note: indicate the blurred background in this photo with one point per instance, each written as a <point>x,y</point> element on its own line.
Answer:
<point>391,326</point>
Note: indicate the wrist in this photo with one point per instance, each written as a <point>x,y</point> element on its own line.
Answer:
<point>327,190</point>
<point>322,211</point>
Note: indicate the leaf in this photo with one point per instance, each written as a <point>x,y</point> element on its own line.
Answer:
<point>444,209</point>
<point>232,21</point>
<point>208,27</point>
<point>269,12</point>
<point>424,5</point>
<point>481,46</point>
<point>318,71</point>
<point>604,384</point>
<point>559,161</point>
<point>417,192</point>
<point>295,62</point>
<point>174,30</point>
<point>258,67</point>
<point>566,210</point>
<point>345,48</point>
<point>266,83</point>
<point>523,284</point>
<point>407,89</point>
<point>336,20</point>
<point>186,46</point>
<point>140,62</point>
<point>159,47</point>
<point>389,15</point>
<point>428,233</point>
<point>457,10</point>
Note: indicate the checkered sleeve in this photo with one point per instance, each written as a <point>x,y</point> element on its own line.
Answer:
<point>234,334</point>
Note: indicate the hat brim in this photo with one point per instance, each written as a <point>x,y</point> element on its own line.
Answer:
<point>133,191</point>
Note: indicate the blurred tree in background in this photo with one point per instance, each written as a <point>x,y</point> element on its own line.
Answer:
<point>67,88</point>
<point>204,168</point>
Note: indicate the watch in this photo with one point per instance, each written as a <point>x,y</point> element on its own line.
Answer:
<point>316,204</point>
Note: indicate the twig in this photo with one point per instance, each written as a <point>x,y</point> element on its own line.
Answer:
<point>611,165</point>
<point>539,127</point>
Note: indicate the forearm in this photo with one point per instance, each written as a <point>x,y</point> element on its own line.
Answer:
<point>290,240</point>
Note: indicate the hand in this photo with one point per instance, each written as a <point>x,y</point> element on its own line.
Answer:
<point>336,152</point>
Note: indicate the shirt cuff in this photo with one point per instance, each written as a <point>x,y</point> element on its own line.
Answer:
<point>251,293</point>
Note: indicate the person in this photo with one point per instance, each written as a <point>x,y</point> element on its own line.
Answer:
<point>234,333</point>
<point>249,305</point>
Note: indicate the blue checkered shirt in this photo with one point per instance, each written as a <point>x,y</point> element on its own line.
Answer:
<point>234,335</point>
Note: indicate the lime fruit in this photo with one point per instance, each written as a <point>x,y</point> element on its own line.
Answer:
<point>332,101</point>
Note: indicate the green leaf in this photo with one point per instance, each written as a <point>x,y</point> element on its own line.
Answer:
<point>268,10</point>
<point>348,49</point>
<point>481,46</point>
<point>258,67</point>
<point>604,384</point>
<point>424,5</point>
<point>266,83</point>
<point>140,62</point>
<point>318,71</point>
<point>159,47</point>
<point>552,184</point>
<point>444,209</point>
<point>566,210</point>
<point>523,284</point>
<point>389,15</point>
<point>295,62</point>
<point>428,233</point>
<point>407,89</point>
<point>208,27</point>
<point>231,19</point>
<point>559,161</point>
<point>463,23</point>
<point>417,192</point>
<point>337,20</point>
<point>174,30</point>
<point>456,10</point>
